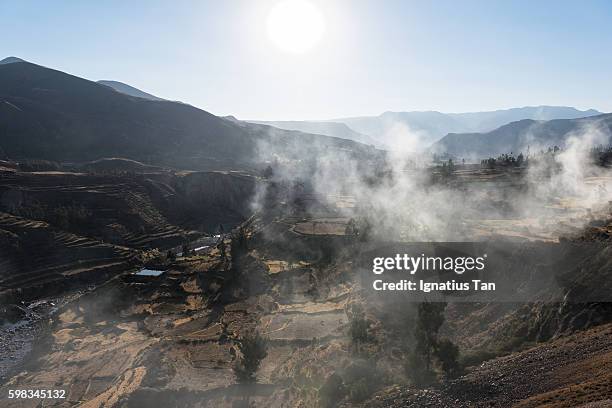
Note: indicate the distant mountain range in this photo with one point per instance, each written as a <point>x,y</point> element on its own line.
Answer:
<point>48,114</point>
<point>431,126</point>
<point>388,129</point>
<point>335,129</point>
<point>521,135</point>
<point>129,90</point>
<point>51,115</point>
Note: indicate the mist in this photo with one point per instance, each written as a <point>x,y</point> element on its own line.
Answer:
<point>405,197</point>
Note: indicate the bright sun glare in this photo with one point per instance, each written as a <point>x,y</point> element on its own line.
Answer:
<point>295,26</point>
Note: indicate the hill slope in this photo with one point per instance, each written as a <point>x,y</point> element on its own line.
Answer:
<point>10,60</point>
<point>518,136</point>
<point>573,371</point>
<point>48,114</point>
<point>129,90</point>
<point>334,129</point>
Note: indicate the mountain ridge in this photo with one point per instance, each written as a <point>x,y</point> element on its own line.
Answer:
<point>334,129</point>
<point>129,90</point>
<point>431,126</point>
<point>11,60</point>
<point>520,135</point>
<point>48,114</point>
<point>391,129</point>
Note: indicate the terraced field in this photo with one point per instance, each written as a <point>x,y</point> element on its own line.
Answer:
<point>59,228</point>
<point>145,338</point>
<point>62,260</point>
<point>117,210</point>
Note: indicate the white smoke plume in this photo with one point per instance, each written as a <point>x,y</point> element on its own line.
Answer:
<point>404,199</point>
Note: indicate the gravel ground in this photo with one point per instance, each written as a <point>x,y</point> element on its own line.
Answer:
<point>21,326</point>
<point>572,371</point>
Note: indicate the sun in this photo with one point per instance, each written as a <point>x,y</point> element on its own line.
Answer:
<point>295,26</point>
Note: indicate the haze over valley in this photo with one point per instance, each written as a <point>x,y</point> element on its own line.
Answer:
<point>419,130</point>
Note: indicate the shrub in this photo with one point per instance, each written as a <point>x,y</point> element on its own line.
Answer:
<point>430,317</point>
<point>418,369</point>
<point>447,354</point>
<point>359,390</point>
<point>359,326</point>
<point>359,329</point>
<point>361,379</point>
<point>332,391</point>
<point>253,349</point>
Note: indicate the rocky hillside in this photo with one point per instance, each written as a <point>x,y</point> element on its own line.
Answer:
<point>573,371</point>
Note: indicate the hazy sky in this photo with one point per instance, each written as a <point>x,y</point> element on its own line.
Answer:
<point>374,56</point>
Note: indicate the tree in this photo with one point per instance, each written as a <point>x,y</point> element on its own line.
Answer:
<point>429,320</point>
<point>364,229</point>
<point>359,329</point>
<point>430,317</point>
<point>361,379</point>
<point>241,240</point>
<point>253,349</point>
<point>359,326</point>
<point>332,391</point>
<point>268,172</point>
<point>447,354</point>
<point>238,250</point>
<point>351,227</point>
<point>417,369</point>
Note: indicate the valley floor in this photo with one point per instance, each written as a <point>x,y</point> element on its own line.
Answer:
<point>171,340</point>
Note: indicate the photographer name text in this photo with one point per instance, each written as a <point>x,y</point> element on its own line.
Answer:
<point>413,264</point>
